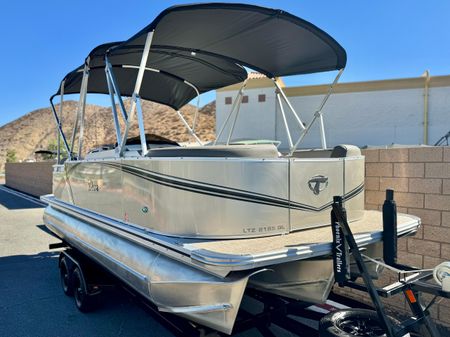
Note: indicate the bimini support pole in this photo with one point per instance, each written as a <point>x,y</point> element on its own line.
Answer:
<point>112,78</point>
<point>58,125</point>
<point>82,105</point>
<point>113,106</point>
<point>61,91</point>
<point>190,130</point>
<point>318,113</point>
<point>286,126</point>
<point>140,116</point>
<point>236,99</point>
<point>79,108</point>
<point>194,122</point>
<point>238,109</point>
<point>323,139</point>
<point>285,99</point>
<point>137,88</point>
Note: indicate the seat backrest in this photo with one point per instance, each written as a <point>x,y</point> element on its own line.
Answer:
<point>344,150</point>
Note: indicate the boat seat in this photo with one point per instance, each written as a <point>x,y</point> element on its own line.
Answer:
<point>226,151</point>
<point>344,150</point>
<point>313,153</point>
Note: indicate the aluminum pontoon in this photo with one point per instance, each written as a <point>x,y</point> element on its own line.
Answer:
<point>191,227</point>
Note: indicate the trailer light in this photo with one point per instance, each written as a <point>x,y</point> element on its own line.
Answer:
<point>411,298</point>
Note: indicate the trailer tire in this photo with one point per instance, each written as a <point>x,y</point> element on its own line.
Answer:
<point>83,301</point>
<point>352,322</point>
<point>66,277</point>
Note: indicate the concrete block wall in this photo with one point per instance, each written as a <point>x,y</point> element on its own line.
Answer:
<point>420,177</point>
<point>31,178</point>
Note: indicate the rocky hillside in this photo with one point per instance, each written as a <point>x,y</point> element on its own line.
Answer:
<point>36,130</point>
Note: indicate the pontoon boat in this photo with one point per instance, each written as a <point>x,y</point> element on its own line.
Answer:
<point>191,227</point>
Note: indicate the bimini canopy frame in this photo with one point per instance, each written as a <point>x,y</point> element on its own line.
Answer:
<point>191,49</point>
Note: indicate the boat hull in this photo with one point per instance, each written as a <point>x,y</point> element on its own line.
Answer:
<point>172,285</point>
<point>214,197</point>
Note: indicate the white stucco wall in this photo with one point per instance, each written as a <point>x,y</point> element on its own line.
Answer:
<point>256,120</point>
<point>378,117</point>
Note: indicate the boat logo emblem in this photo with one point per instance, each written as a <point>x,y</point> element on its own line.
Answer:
<point>318,183</point>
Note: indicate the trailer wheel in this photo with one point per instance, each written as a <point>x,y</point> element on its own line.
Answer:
<point>352,322</point>
<point>65,276</point>
<point>82,299</point>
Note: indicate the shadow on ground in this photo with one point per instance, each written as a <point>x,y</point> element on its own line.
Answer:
<point>33,304</point>
<point>11,201</point>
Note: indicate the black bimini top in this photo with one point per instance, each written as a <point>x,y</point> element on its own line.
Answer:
<point>207,46</point>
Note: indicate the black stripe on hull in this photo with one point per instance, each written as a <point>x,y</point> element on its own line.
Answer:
<point>224,192</point>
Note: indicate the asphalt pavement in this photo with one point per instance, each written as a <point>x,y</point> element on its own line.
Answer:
<point>32,302</point>
<point>31,299</point>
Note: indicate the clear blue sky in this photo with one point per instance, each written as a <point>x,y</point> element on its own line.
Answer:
<point>43,40</point>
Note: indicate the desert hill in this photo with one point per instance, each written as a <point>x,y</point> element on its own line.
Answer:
<point>36,130</point>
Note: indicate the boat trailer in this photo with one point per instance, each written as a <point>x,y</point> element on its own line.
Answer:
<point>84,279</point>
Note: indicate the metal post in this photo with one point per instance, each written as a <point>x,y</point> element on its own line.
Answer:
<point>137,89</point>
<point>112,78</point>
<point>82,105</point>
<point>194,122</point>
<point>238,108</point>
<point>323,140</point>
<point>191,132</point>
<point>61,91</point>
<point>140,116</point>
<point>318,112</point>
<point>113,107</point>
<point>280,90</point>
<point>79,107</point>
<point>58,125</point>
<point>390,229</point>
<point>286,126</point>
<point>231,111</point>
